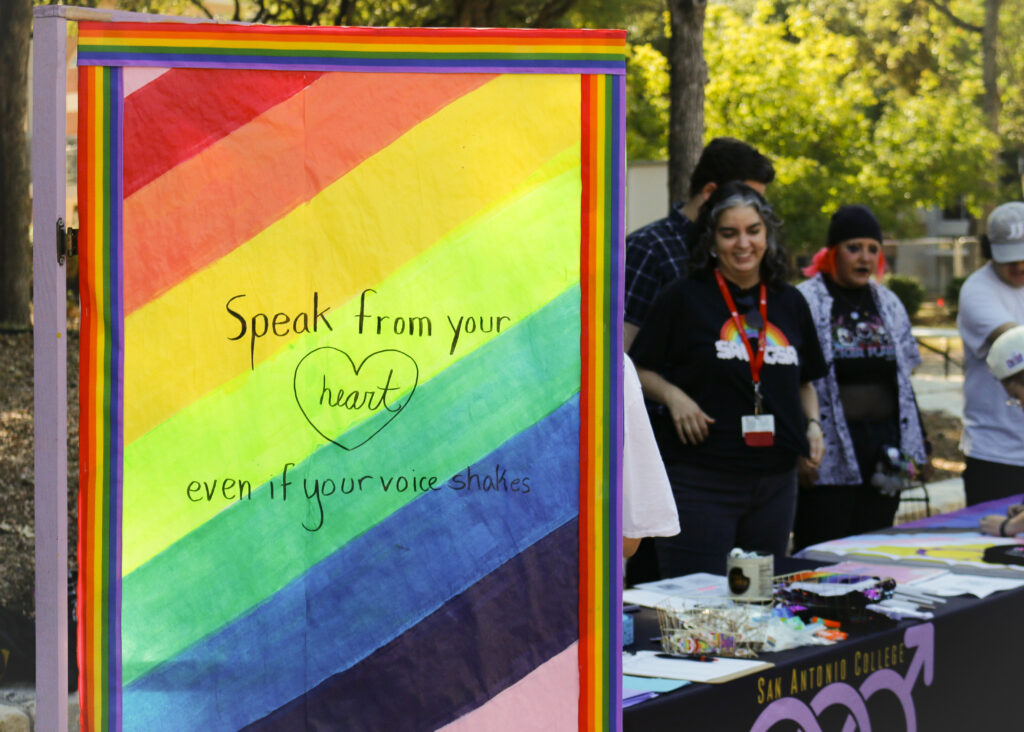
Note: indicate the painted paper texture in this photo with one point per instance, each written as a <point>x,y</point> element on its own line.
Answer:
<point>349,377</point>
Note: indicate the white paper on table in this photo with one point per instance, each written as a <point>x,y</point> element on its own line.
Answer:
<point>649,663</point>
<point>643,598</point>
<point>950,585</point>
<point>700,584</point>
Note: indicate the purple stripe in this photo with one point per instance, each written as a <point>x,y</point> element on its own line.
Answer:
<point>116,192</point>
<point>474,66</point>
<point>455,660</point>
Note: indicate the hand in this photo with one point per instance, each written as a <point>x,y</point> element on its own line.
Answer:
<point>806,473</point>
<point>992,524</point>
<point>690,421</point>
<point>816,439</point>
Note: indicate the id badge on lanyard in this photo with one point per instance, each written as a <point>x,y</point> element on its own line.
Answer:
<point>758,428</point>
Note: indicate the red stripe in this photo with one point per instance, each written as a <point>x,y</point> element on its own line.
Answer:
<point>202,210</point>
<point>183,111</point>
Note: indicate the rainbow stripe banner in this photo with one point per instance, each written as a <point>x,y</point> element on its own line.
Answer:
<point>350,377</point>
<point>460,50</point>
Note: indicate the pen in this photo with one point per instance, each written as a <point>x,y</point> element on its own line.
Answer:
<point>691,657</point>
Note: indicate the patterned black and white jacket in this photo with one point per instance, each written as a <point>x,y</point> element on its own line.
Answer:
<point>839,465</point>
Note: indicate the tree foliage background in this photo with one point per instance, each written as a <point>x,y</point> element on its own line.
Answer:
<point>899,104</point>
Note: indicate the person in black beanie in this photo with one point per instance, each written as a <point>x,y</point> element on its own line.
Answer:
<point>868,409</point>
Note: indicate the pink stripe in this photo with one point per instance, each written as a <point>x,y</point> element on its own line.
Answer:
<point>546,699</point>
<point>136,77</point>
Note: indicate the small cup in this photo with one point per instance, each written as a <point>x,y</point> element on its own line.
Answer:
<point>750,577</point>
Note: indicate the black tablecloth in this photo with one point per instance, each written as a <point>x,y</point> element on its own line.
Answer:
<point>957,672</point>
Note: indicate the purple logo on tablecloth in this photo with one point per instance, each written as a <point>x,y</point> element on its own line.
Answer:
<point>806,715</point>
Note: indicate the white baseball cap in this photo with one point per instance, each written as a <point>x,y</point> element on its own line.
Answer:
<point>1006,232</point>
<point>1006,356</point>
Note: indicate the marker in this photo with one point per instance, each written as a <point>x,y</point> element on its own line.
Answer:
<point>690,657</point>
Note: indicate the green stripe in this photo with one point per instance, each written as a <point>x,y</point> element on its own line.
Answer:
<point>509,260</point>
<point>250,551</point>
<point>373,55</point>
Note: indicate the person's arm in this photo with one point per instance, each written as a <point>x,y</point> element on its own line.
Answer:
<point>629,331</point>
<point>982,315</point>
<point>998,331</point>
<point>629,546</point>
<point>815,437</point>
<point>997,525</point>
<point>690,421</point>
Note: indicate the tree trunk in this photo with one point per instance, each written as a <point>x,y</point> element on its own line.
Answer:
<point>688,77</point>
<point>990,64</point>
<point>15,203</point>
<point>991,102</point>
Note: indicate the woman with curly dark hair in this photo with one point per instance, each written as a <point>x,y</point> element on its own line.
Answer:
<point>731,352</point>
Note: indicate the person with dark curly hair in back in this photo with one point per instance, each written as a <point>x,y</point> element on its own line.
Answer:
<point>731,352</point>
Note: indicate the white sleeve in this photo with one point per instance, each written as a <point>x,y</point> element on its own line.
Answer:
<point>981,312</point>
<point>648,508</point>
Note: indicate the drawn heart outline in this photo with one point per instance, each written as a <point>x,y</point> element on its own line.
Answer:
<point>326,363</point>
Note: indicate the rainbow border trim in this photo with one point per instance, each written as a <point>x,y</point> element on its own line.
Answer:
<point>597,55</point>
<point>463,50</point>
<point>602,268</point>
<point>101,364</point>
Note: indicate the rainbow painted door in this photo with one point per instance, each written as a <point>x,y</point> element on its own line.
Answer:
<point>349,377</point>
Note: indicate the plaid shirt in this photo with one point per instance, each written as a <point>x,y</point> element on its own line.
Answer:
<point>655,255</point>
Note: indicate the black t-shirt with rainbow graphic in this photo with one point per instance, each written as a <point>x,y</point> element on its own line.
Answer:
<point>690,339</point>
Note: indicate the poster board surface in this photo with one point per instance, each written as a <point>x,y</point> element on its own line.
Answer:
<point>349,390</point>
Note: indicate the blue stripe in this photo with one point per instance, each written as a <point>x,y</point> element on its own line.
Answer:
<point>372,590</point>
<point>258,546</point>
<point>526,612</point>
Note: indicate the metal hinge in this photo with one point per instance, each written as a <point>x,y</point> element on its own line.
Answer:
<point>67,242</point>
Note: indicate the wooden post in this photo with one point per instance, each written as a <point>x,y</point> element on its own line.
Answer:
<point>49,179</point>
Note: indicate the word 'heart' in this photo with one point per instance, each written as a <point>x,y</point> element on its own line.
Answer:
<point>348,404</point>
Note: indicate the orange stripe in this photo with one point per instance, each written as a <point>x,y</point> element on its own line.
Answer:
<point>212,203</point>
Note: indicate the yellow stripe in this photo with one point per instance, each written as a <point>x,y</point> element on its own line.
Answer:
<point>350,236</point>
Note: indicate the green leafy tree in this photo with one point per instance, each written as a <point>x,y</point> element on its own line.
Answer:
<point>647,103</point>
<point>791,87</point>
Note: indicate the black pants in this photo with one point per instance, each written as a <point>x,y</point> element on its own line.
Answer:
<point>986,481</point>
<point>719,511</point>
<point>825,512</point>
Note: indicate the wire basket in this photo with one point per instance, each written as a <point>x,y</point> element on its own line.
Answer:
<point>714,626</point>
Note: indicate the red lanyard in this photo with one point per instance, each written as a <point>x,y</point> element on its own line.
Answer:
<point>755,361</point>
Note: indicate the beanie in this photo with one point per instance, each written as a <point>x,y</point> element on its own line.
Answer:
<point>853,221</point>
